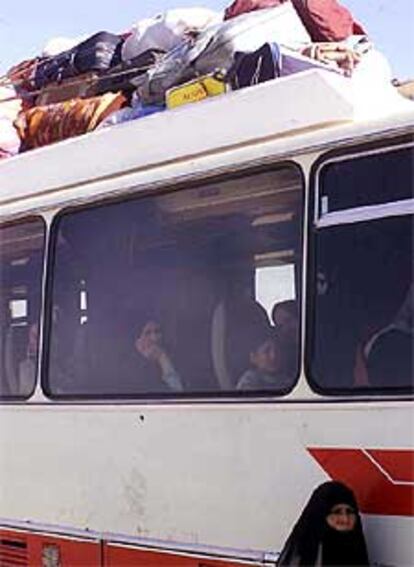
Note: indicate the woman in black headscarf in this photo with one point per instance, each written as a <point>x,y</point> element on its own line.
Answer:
<point>147,367</point>
<point>328,532</point>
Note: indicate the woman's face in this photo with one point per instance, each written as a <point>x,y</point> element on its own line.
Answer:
<point>342,517</point>
<point>151,333</point>
<point>149,341</point>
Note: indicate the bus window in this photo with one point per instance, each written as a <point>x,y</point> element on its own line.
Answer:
<point>173,294</point>
<point>362,329</point>
<point>375,178</point>
<point>21,257</point>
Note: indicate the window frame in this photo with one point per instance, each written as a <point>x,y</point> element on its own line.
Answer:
<point>153,191</point>
<point>336,156</point>
<point>18,222</point>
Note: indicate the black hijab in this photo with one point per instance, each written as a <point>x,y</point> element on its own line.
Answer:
<point>312,532</point>
<point>139,374</point>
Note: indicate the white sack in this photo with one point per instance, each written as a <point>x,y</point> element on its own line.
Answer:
<point>165,31</point>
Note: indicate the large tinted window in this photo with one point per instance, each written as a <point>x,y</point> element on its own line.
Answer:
<point>174,294</point>
<point>362,327</point>
<point>21,256</point>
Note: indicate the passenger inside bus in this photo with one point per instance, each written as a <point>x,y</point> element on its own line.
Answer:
<point>367,269</point>
<point>389,351</point>
<point>285,317</point>
<point>266,366</point>
<point>153,291</point>
<point>154,370</point>
<point>363,271</point>
<point>27,366</point>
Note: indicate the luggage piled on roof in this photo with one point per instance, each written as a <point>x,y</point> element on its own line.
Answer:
<point>179,57</point>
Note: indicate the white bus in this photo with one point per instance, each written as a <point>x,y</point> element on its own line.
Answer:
<point>143,268</point>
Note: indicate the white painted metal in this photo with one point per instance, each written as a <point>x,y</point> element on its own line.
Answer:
<point>217,474</point>
<point>362,214</point>
<point>225,474</point>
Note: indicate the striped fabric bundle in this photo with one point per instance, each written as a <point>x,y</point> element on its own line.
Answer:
<point>44,125</point>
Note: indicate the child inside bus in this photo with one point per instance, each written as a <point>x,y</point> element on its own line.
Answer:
<point>328,532</point>
<point>266,368</point>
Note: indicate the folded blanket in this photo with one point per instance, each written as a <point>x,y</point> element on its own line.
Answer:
<point>44,125</point>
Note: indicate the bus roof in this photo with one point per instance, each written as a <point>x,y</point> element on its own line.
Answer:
<point>332,109</point>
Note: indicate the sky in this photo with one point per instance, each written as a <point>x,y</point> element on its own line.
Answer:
<point>25,27</point>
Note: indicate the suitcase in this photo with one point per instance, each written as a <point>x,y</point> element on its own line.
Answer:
<point>97,53</point>
<point>82,86</point>
<point>196,90</point>
<point>123,77</point>
<point>92,83</point>
<point>250,69</point>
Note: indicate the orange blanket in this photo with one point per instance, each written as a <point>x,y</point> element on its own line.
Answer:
<point>44,125</point>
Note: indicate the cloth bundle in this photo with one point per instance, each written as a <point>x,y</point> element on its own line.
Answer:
<point>44,125</point>
<point>10,106</point>
<point>325,20</point>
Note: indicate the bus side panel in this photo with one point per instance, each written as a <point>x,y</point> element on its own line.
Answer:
<point>225,476</point>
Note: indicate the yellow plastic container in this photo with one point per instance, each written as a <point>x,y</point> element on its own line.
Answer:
<point>194,91</point>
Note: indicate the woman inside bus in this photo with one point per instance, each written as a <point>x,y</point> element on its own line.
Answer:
<point>328,532</point>
<point>151,368</point>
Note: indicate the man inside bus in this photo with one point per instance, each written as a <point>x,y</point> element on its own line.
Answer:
<point>389,353</point>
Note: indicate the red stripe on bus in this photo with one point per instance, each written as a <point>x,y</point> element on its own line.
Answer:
<point>375,491</point>
<point>398,464</point>
<point>119,556</point>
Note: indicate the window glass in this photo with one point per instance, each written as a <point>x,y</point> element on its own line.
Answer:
<point>21,256</point>
<point>174,294</point>
<point>367,180</point>
<point>362,330</point>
